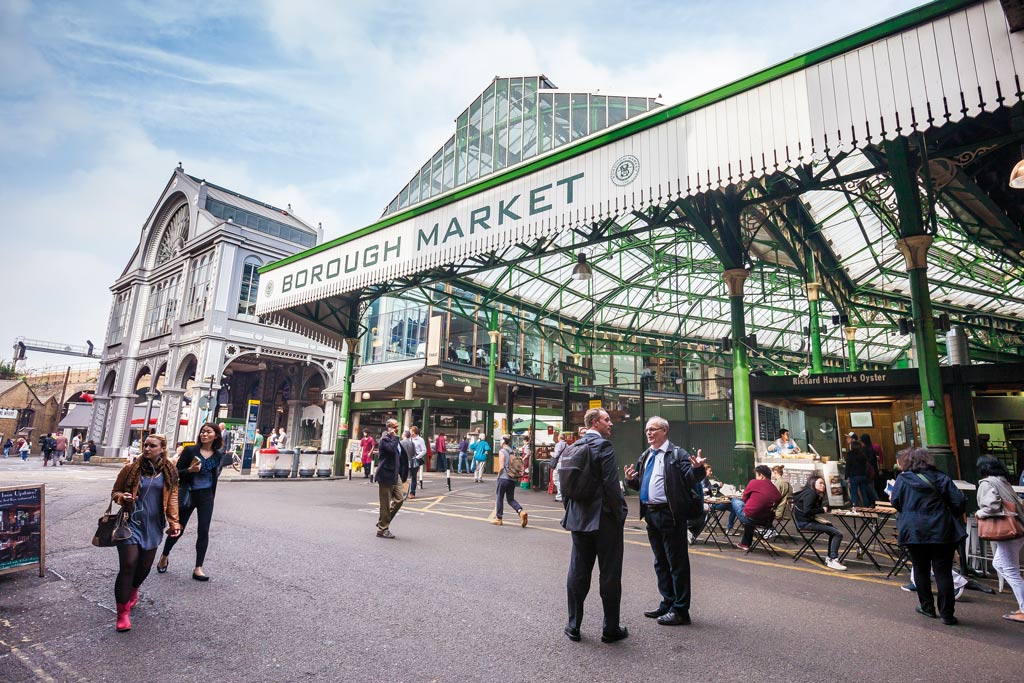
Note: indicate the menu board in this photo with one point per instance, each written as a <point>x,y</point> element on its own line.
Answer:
<point>22,528</point>
<point>769,421</point>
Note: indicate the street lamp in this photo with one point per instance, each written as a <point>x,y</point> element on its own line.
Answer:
<point>209,397</point>
<point>150,394</point>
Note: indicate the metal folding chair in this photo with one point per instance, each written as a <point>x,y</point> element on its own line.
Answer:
<point>809,537</point>
<point>761,540</point>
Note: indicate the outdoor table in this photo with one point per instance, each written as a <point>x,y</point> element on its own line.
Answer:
<point>857,523</point>
<point>715,522</point>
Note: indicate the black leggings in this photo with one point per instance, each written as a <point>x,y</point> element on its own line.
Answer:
<point>134,565</point>
<point>202,502</point>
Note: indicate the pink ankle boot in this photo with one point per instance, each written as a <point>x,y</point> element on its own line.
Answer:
<point>133,599</point>
<point>124,622</point>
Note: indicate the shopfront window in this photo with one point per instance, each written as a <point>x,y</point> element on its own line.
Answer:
<point>119,316</point>
<point>511,345</point>
<point>625,371</point>
<point>198,287</point>
<point>250,286</point>
<point>398,331</point>
<point>532,352</point>
<point>163,306</point>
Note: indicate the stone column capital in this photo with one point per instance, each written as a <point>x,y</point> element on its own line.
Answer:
<point>813,288</point>
<point>351,343</point>
<point>850,332</point>
<point>734,280</point>
<point>494,336</point>
<point>915,250</point>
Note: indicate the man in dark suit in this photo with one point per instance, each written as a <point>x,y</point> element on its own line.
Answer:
<point>596,527</point>
<point>664,475</point>
<point>392,472</point>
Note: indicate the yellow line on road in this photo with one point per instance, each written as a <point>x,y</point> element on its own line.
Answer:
<point>703,553</point>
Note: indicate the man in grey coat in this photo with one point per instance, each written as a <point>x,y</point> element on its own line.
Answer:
<point>597,534</point>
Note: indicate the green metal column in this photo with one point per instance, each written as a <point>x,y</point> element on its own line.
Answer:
<point>494,335</point>
<point>739,470</point>
<point>914,245</point>
<point>425,431</point>
<point>851,350</point>
<point>346,397</point>
<point>813,287</point>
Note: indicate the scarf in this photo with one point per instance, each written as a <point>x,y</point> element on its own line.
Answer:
<point>162,466</point>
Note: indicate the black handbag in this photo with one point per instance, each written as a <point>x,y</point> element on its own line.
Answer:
<point>112,527</point>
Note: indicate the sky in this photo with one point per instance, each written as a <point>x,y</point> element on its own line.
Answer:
<point>327,106</point>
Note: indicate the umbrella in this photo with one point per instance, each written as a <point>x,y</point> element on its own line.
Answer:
<point>524,425</point>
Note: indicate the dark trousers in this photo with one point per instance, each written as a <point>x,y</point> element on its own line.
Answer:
<point>835,536</point>
<point>414,474</point>
<point>937,557</point>
<point>506,489</point>
<point>671,559</point>
<point>201,502</point>
<point>442,462</point>
<point>604,545</point>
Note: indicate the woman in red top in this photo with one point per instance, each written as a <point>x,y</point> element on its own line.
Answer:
<point>366,445</point>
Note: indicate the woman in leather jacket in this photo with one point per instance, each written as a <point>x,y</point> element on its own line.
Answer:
<point>148,489</point>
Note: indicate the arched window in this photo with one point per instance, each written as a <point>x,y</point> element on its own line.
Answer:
<point>250,286</point>
<point>174,237</point>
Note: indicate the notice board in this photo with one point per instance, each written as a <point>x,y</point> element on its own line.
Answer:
<point>23,528</point>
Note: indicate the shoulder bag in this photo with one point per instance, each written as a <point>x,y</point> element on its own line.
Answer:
<point>1003,527</point>
<point>112,527</point>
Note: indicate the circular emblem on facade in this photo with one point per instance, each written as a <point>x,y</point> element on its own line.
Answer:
<point>268,289</point>
<point>625,170</point>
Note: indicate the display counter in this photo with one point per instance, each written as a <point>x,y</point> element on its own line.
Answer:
<point>799,468</point>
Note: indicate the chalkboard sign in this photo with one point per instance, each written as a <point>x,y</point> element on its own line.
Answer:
<point>769,421</point>
<point>23,528</point>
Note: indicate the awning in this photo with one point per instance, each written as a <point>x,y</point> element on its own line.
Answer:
<point>139,415</point>
<point>79,416</point>
<point>380,377</point>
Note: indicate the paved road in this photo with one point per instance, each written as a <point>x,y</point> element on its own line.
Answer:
<point>302,590</point>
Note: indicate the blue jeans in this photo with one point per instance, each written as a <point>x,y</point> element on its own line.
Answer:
<point>835,536</point>
<point>413,475</point>
<point>861,492</point>
<point>735,508</point>
<point>464,457</point>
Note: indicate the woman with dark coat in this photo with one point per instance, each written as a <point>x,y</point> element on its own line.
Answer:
<point>808,503</point>
<point>930,527</point>
<point>198,470</point>
<point>148,489</point>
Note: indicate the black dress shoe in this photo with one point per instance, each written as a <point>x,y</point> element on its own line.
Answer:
<point>200,577</point>
<point>655,613</point>
<point>950,621</point>
<point>572,634</point>
<point>621,634</point>
<point>674,618</point>
<point>926,612</point>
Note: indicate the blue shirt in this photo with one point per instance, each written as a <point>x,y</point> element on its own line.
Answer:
<point>656,489</point>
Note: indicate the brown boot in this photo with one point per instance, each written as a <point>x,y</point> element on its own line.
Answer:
<point>522,517</point>
<point>496,521</point>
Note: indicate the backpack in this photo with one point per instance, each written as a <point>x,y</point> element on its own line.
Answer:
<point>514,464</point>
<point>576,473</point>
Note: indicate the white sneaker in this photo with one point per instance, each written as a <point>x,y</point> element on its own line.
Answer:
<point>834,564</point>
<point>690,537</point>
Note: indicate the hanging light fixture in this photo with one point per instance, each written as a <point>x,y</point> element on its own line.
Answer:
<point>468,389</point>
<point>439,383</point>
<point>582,270</point>
<point>1017,174</point>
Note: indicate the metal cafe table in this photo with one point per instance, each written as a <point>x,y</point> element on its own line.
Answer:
<point>714,524</point>
<point>861,521</point>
